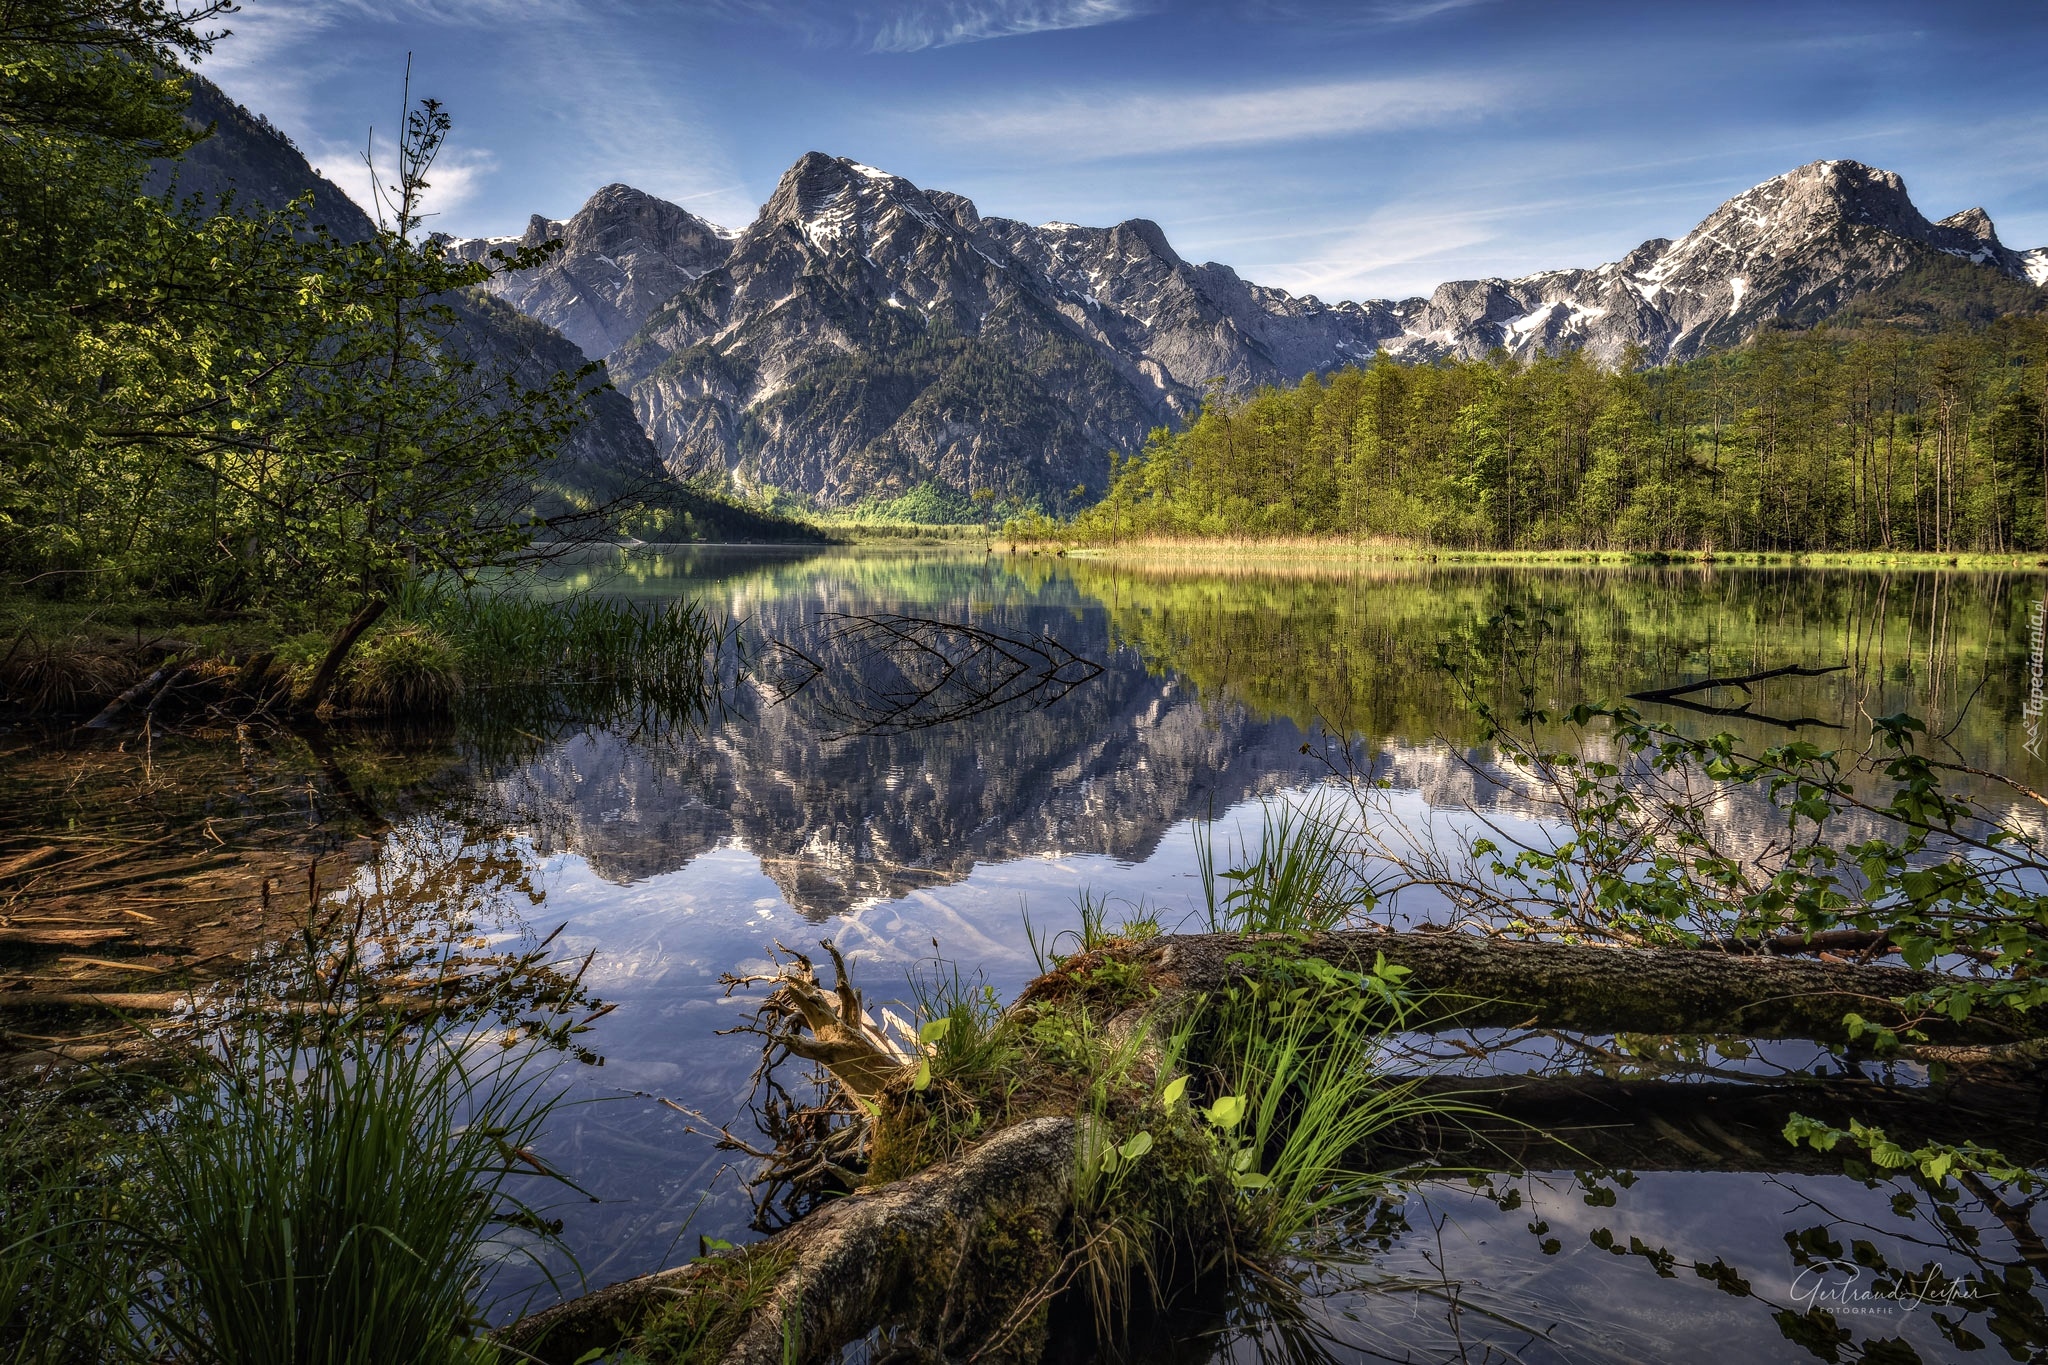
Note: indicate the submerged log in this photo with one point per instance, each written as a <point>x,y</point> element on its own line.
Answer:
<point>64,938</point>
<point>1644,1124</point>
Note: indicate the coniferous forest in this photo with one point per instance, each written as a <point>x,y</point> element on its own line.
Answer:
<point>1851,438</point>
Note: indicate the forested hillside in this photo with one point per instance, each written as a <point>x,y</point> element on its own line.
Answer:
<point>1831,439</point>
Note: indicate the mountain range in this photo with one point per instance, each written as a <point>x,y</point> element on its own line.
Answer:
<point>863,335</point>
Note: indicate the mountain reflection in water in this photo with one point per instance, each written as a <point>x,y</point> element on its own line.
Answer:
<point>678,857</point>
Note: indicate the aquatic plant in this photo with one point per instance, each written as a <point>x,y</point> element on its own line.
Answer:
<point>530,666</point>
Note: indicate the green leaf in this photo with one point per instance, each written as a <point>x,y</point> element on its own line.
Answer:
<point>1226,1112</point>
<point>923,1079</point>
<point>1175,1088</point>
<point>1137,1146</point>
<point>935,1030</point>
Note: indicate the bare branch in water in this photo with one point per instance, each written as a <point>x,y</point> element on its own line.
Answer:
<point>888,674</point>
<point>1674,696</point>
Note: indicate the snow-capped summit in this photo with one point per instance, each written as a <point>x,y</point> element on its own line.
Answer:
<point>1796,247</point>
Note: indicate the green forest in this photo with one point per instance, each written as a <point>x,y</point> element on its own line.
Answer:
<point>1870,437</point>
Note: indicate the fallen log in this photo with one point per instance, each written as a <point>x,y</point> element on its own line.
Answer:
<point>1587,988</point>
<point>961,1258</point>
<point>895,1255</point>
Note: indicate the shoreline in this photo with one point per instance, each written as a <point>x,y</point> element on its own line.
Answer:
<point>1182,552</point>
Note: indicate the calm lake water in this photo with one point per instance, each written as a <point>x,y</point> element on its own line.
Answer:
<point>673,858</point>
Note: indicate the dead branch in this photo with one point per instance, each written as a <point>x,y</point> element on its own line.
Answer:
<point>888,674</point>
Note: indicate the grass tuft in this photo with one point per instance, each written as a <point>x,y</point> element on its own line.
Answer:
<point>408,670</point>
<point>333,1195</point>
<point>1300,878</point>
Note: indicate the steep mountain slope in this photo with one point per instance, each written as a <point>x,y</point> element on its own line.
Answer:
<point>864,335</point>
<point>606,458</point>
<point>624,254</point>
<point>261,167</point>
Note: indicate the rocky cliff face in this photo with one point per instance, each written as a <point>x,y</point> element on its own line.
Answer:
<point>623,255</point>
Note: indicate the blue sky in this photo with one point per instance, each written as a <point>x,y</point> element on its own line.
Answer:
<point>1352,150</point>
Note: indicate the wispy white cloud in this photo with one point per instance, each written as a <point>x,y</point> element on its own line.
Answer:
<point>459,175</point>
<point>1414,11</point>
<point>915,25</point>
<point>944,23</point>
<point>1359,14</point>
<point>633,121</point>
<point>1102,126</point>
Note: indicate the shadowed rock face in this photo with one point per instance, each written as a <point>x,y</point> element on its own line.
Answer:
<point>623,255</point>
<point>603,457</point>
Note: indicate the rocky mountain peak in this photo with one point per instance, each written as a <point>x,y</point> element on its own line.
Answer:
<point>624,254</point>
<point>826,195</point>
<point>1974,222</point>
<point>539,229</point>
<point>1789,211</point>
<point>619,219</point>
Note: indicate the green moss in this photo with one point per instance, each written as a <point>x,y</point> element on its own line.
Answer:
<point>697,1326</point>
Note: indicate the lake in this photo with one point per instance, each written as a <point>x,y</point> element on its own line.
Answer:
<point>935,828</point>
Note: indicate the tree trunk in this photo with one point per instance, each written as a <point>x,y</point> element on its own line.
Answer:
<point>953,1253</point>
<point>330,666</point>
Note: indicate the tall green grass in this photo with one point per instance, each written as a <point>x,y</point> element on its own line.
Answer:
<point>1297,1051</point>
<point>1299,878</point>
<point>333,1196</point>
<point>518,668</point>
<point>66,1268</point>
